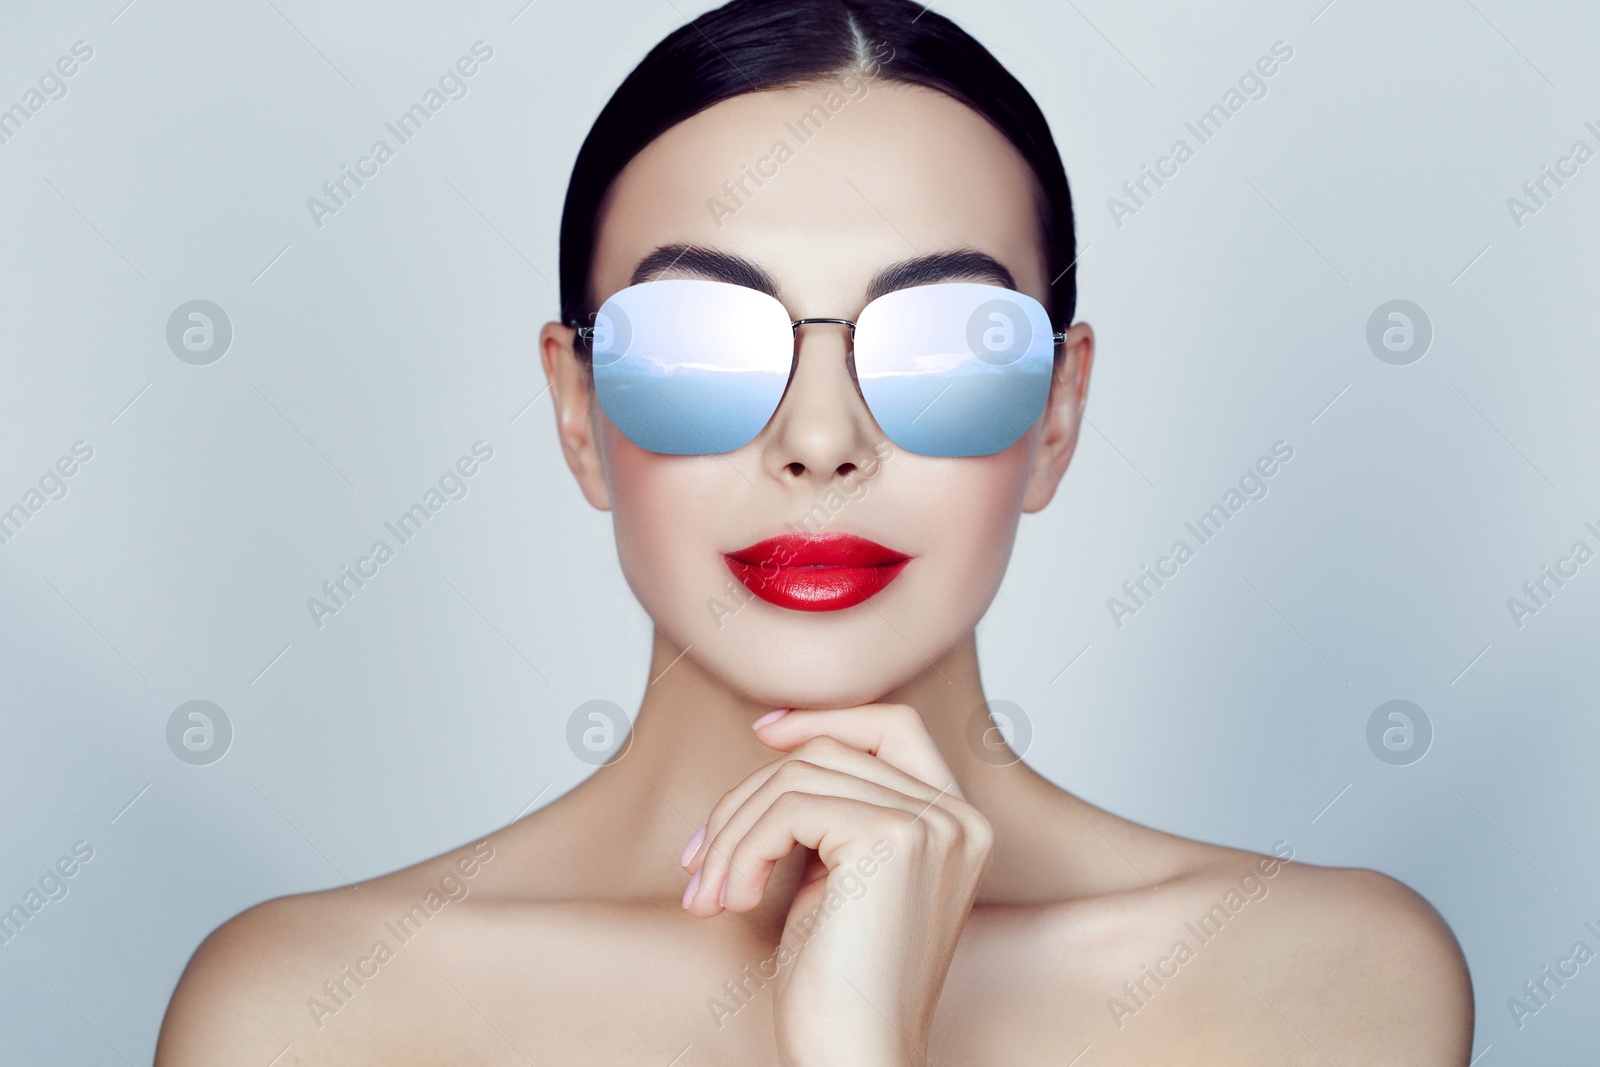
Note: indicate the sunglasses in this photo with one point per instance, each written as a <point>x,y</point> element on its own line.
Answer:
<point>693,367</point>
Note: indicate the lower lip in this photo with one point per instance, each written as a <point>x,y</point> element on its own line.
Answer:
<point>815,588</point>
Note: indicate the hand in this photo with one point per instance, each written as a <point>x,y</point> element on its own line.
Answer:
<point>897,857</point>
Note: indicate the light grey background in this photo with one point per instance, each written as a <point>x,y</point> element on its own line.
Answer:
<point>370,353</point>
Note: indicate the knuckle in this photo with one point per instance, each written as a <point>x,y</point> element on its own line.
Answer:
<point>979,835</point>
<point>912,834</point>
<point>905,715</point>
<point>970,816</point>
<point>794,770</point>
<point>942,825</point>
<point>906,720</point>
<point>818,747</point>
<point>716,853</point>
<point>720,814</point>
<point>830,745</point>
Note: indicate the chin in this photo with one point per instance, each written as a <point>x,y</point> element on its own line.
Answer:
<point>780,682</point>
<point>822,660</point>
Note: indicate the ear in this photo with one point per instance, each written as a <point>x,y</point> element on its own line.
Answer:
<point>1063,416</point>
<point>572,390</point>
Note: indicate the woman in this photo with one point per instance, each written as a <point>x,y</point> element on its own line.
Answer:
<point>817,276</point>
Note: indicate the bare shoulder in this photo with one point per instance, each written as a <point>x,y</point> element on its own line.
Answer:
<point>1363,956</point>
<point>233,1001</point>
<point>1291,962</point>
<point>273,977</point>
<point>1179,951</point>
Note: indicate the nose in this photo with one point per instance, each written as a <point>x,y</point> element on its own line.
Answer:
<point>822,429</point>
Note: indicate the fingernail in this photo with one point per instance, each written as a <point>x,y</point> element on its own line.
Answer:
<point>771,716</point>
<point>688,892</point>
<point>692,847</point>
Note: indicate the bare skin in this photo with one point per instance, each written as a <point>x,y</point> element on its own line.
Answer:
<point>980,913</point>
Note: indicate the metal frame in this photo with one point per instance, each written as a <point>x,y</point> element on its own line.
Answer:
<point>586,333</point>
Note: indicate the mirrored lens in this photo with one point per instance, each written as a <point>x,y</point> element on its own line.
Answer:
<point>955,368</point>
<point>685,366</point>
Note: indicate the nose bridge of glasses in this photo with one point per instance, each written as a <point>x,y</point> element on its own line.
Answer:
<point>797,323</point>
<point>850,344</point>
<point>849,347</point>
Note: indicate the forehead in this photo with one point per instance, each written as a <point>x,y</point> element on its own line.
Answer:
<point>823,186</point>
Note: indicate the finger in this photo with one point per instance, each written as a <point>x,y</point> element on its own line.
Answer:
<point>895,733</point>
<point>796,776</point>
<point>841,830</point>
<point>715,869</point>
<point>825,752</point>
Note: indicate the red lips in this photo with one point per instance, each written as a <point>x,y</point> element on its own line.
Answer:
<point>816,572</point>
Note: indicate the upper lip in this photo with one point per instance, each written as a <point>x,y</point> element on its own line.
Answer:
<point>813,550</point>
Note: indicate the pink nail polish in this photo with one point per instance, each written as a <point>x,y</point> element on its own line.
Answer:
<point>692,847</point>
<point>688,892</point>
<point>771,716</point>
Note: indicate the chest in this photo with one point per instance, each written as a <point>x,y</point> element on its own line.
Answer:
<point>627,988</point>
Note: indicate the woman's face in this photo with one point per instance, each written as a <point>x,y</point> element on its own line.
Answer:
<point>895,173</point>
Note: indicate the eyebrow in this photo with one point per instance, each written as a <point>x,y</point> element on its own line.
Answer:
<point>706,263</point>
<point>967,263</point>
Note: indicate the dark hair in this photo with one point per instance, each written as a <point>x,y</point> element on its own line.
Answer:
<point>748,46</point>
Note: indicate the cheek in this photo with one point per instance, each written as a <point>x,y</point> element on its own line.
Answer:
<point>979,506</point>
<point>667,514</point>
<point>673,516</point>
